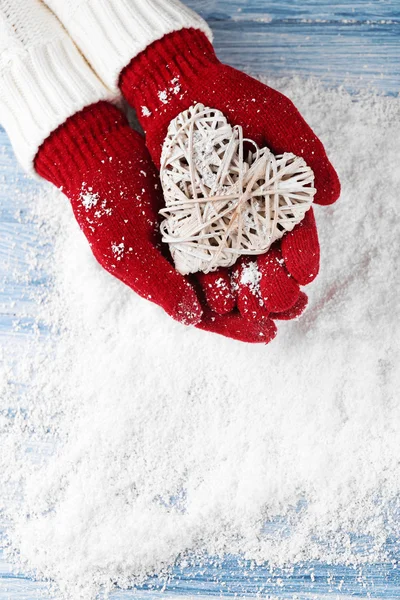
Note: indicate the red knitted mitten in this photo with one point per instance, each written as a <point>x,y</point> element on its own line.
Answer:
<point>181,70</point>
<point>104,168</point>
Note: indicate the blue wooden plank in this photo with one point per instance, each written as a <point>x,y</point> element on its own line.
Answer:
<point>353,55</point>
<point>354,45</point>
<point>316,10</point>
<point>16,239</point>
<point>231,577</point>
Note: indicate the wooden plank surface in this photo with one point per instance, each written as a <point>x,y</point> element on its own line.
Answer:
<point>351,43</point>
<point>345,43</point>
<point>315,10</point>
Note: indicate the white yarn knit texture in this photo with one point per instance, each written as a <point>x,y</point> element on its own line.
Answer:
<point>44,79</point>
<point>112,32</point>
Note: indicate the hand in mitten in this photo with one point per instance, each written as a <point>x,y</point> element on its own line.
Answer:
<point>104,168</point>
<point>180,70</point>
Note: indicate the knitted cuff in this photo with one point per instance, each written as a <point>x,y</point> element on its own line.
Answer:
<point>39,89</point>
<point>112,32</point>
<point>166,69</point>
<point>82,144</point>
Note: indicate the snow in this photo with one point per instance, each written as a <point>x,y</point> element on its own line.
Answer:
<point>89,198</point>
<point>150,439</point>
<point>251,276</point>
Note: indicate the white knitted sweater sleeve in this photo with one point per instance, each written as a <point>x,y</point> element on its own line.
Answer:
<point>43,77</point>
<point>110,33</point>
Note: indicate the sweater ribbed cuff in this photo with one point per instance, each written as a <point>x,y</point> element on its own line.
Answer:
<point>40,89</point>
<point>112,32</point>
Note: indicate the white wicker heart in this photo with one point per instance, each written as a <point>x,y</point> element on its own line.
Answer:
<point>221,204</point>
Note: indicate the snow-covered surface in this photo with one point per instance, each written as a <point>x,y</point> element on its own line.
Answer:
<point>131,444</point>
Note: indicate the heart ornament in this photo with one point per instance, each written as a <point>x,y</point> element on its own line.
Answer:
<point>221,202</point>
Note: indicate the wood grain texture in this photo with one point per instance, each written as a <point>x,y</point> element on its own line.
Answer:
<point>350,43</point>
<point>355,44</point>
<point>315,10</point>
<point>16,243</point>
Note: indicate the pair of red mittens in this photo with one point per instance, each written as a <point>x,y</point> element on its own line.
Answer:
<point>105,169</point>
